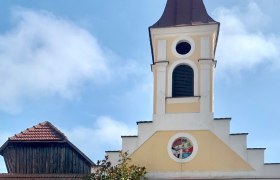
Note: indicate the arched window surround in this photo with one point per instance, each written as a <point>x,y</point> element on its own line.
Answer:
<point>170,75</point>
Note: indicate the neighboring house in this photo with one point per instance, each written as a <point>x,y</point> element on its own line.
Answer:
<point>44,152</point>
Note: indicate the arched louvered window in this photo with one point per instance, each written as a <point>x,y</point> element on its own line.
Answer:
<point>183,81</point>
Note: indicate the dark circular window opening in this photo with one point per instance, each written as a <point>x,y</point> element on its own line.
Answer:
<point>183,47</point>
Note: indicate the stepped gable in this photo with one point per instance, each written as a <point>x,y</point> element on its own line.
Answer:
<point>184,13</point>
<point>44,131</point>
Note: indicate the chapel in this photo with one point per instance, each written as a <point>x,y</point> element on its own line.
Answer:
<point>184,140</point>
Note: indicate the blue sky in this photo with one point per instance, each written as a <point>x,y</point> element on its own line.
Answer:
<point>85,67</point>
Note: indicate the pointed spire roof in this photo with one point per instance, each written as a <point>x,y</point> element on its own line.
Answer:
<point>184,13</point>
<point>44,131</point>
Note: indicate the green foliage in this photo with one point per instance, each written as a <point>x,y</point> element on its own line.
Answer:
<point>123,171</point>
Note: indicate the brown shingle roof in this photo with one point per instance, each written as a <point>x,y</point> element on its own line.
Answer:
<point>41,176</point>
<point>42,132</point>
<point>183,13</point>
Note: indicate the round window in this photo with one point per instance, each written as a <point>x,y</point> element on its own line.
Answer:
<point>182,148</point>
<point>183,47</point>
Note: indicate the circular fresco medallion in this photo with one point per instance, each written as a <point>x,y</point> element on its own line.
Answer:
<point>182,148</point>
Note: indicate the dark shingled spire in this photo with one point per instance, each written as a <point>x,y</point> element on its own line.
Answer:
<point>184,13</point>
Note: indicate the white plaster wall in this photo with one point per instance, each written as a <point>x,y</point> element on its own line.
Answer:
<point>221,128</point>
<point>129,144</point>
<point>145,131</point>
<point>256,158</point>
<point>183,121</point>
<point>238,143</point>
<point>113,157</point>
<point>271,170</point>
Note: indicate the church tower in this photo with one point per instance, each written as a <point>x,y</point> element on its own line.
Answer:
<point>184,140</point>
<point>183,44</point>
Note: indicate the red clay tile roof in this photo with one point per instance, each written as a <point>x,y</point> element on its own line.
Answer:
<point>41,176</point>
<point>42,132</point>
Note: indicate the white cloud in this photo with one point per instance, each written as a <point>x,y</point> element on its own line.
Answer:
<point>242,43</point>
<point>104,134</point>
<point>46,55</point>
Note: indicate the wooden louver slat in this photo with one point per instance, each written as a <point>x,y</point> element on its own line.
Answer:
<point>183,81</point>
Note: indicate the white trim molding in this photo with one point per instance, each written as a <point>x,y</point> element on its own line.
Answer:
<point>193,99</point>
<point>170,74</point>
<point>185,30</point>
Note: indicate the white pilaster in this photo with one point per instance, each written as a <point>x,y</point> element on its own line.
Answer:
<point>205,47</point>
<point>161,54</point>
<point>205,85</point>
<point>161,87</point>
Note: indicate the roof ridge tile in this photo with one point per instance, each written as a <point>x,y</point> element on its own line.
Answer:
<point>44,131</point>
